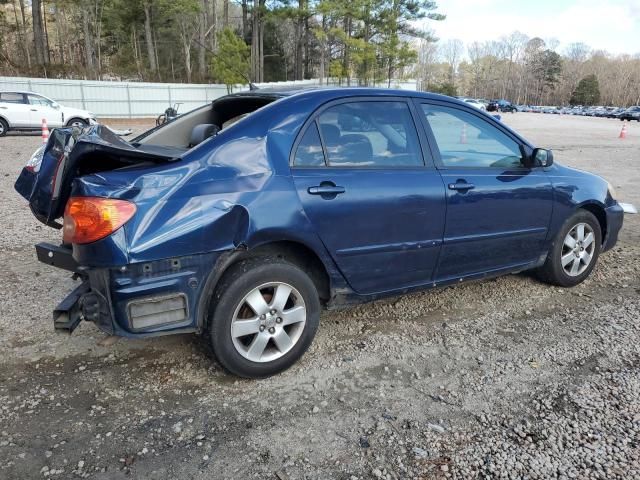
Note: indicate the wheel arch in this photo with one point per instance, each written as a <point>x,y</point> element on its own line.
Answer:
<point>75,117</point>
<point>293,251</point>
<point>598,211</point>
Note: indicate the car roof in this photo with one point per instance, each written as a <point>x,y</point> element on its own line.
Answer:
<point>339,92</point>
<point>24,92</point>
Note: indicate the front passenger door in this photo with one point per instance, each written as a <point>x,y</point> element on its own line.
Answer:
<point>43,108</point>
<point>498,210</point>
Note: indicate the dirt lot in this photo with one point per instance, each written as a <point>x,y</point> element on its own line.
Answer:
<point>503,379</point>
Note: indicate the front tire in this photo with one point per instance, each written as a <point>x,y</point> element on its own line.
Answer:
<point>266,313</point>
<point>4,128</point>
<point>77,122</point>
<point>574,252</point>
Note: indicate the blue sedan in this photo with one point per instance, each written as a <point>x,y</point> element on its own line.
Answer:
<point>243,219</point>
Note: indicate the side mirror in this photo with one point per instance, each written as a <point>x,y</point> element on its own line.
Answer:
<point>542,157</point>
<point>55,105</point>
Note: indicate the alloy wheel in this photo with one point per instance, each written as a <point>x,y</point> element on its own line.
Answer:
<point>268,322</point>
<point>578,249</point>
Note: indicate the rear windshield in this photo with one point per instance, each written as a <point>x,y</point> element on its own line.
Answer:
<point>202,123</point>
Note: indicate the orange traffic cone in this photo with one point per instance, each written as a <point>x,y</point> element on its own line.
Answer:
<point>45,131</point>
<point>623,132</point>
<point>463,133</point>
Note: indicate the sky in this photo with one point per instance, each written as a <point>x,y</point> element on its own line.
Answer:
<point>611,25</point>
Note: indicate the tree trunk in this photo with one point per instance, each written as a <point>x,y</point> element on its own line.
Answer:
<point>38,32</point>
<point>46,33</point>
<point>345,58</point>
<point>60,35</point>
<point>297,69</point>
<point>148,35</point>
<point>257,42</point>
<point>27,50</point>
<point>307,56</point>
<point>136,53</point>
<point>225,13</point>
<point>22,32</point>
<point>213,22</point>
<point>202,30</point>
<point>323,49</point>
<point>186,45</point>
<point>72,49</point>
<point>255,27</point>
<point>155,54</point>
<point>98,17</point>
<point>245,21</point>
<point>88,45</point>
<point>367,38</point>
<point>261,43</point>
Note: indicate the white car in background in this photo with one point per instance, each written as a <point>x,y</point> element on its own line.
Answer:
<point>475,103</point>
<point>25,111</point>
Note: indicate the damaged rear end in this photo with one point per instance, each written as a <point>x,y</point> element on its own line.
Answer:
<point>67,178</point>
<point>147,224</point>
<point>47,179</point>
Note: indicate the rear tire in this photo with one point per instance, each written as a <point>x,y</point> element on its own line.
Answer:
<point>266,313</point>
<point>574,252</point>
<point>4,127</point>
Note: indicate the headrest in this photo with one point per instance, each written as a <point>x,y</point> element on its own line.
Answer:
<point>330,134</point>
<point>352,148</point>
<point>201,132</point>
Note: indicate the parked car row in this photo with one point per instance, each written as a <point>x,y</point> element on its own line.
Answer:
<point>622,113</point>
<point>490,105</point>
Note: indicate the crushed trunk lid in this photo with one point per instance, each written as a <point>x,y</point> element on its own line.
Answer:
<point>47,178</point>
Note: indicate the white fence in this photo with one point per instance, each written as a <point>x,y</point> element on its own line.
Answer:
<point>136,99</point>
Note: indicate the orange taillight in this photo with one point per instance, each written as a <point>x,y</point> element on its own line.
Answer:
<point>87,219</point>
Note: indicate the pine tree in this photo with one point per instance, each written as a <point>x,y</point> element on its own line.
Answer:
<point>231,63</point>
<point>587,92</point>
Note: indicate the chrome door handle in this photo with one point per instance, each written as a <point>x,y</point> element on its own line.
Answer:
<point>461,186</point>
<point>326,190</point>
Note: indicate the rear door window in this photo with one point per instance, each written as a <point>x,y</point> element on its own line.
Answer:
<point>309,152</point>
<point>370,134</point>
<point>10,97</point>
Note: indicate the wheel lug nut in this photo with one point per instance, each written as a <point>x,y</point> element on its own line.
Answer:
<point>263,316</point>
<point>273,312</point>
<point>262,328</point>
<point>278,320</point>
<point>272,330</point>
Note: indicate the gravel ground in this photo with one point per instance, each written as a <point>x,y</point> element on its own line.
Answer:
<point>508,378</point>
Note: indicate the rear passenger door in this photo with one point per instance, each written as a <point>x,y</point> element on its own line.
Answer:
<point>14,107</point>
<point>361,177</point>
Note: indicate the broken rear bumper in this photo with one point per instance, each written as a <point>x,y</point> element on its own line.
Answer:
<point>136,300</point>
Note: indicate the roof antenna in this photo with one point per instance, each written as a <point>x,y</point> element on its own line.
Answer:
<point>252,86</point>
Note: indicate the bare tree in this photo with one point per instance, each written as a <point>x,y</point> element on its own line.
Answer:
<point>452,51</point>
